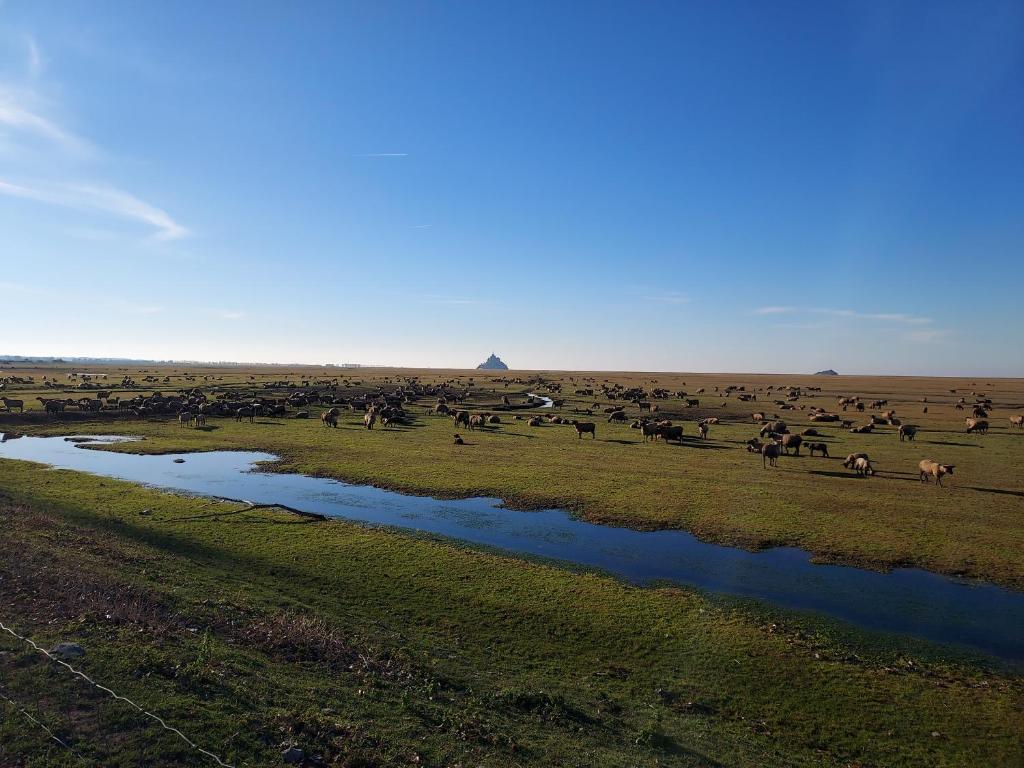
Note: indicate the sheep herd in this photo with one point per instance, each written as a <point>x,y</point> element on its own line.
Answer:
<point>465,403</point>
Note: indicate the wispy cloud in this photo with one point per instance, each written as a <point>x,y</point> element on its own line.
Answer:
<point>108,200</point>
<point>669,297</point>
<point>383,154</point>
<point>21,114</point>
<point>422,226</point>
<point>890,317</point>
<point>34,63</point>
<point>27,124</point>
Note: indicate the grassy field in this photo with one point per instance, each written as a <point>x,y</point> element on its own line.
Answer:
<point>712,488</point>
<point>253,631</point>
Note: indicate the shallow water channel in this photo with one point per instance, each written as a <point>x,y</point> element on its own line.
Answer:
<point>910,601</point>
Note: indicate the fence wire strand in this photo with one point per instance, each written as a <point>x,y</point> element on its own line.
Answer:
<point>159,720</point>
<point>28,715</point>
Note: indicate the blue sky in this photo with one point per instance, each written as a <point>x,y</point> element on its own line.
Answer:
<point>643,186</point>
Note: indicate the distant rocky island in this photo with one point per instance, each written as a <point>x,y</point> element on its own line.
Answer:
<point>492,363</point>
<point>829,372</point>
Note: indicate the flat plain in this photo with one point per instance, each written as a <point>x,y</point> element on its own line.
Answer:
<point>365,646</point>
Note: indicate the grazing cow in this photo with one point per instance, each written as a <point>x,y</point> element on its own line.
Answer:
<point>460,417</point>
<point>643,406</point>
<point>616,416</point>
<point>770,452</point>
<point>54,407</point>
<point>821,448</point>
<point>583,427</point>
<point>1017,421</point>
<point>534,422</point>
<point>907,432</point>
<point>979,413</point>
<point>929,468</point>
<point>977,425</point>
<point>692,403</point>
<point>10,404</point>
<point>329,418</point>
<point>476,422</point>
<point>246,411</point>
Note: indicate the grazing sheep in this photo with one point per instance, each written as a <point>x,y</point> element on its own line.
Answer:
<point>10,404</point>
<point>370,418</point>
<point>757,417</point>
<point>616,416</point>
<point>702,430</point>
<point>200,420</point>
<point>712,420</point>
<point>1017,421</point>
<point>330,418</point>
<point>493,419</point>
<point>476,422</point>
<point>821,448</point>
<point>864,429</point>
<point>184,418</point>
<point>929,468</point>
<point>778,427</point>
<point>754,445</point>
<point>863,467</point>
<point>792,441</point>
<point>459,440</point>
<point>977,425</point>
<point>811,433</point>
<point>852,459</point>
<point>534,422</point>
<point>907,432</point>
<point>583,427</point>
<point>460,417</point>
<point>770,452</point>
<point>847,423</point>
<point>979,413</point>
<point>244,412</point>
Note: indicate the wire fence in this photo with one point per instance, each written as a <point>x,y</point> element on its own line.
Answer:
<point>28,715</point>
<point>159,720</point>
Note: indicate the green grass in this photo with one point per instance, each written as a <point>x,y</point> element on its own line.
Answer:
<point>253,630</point>
<point>714,488</point>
